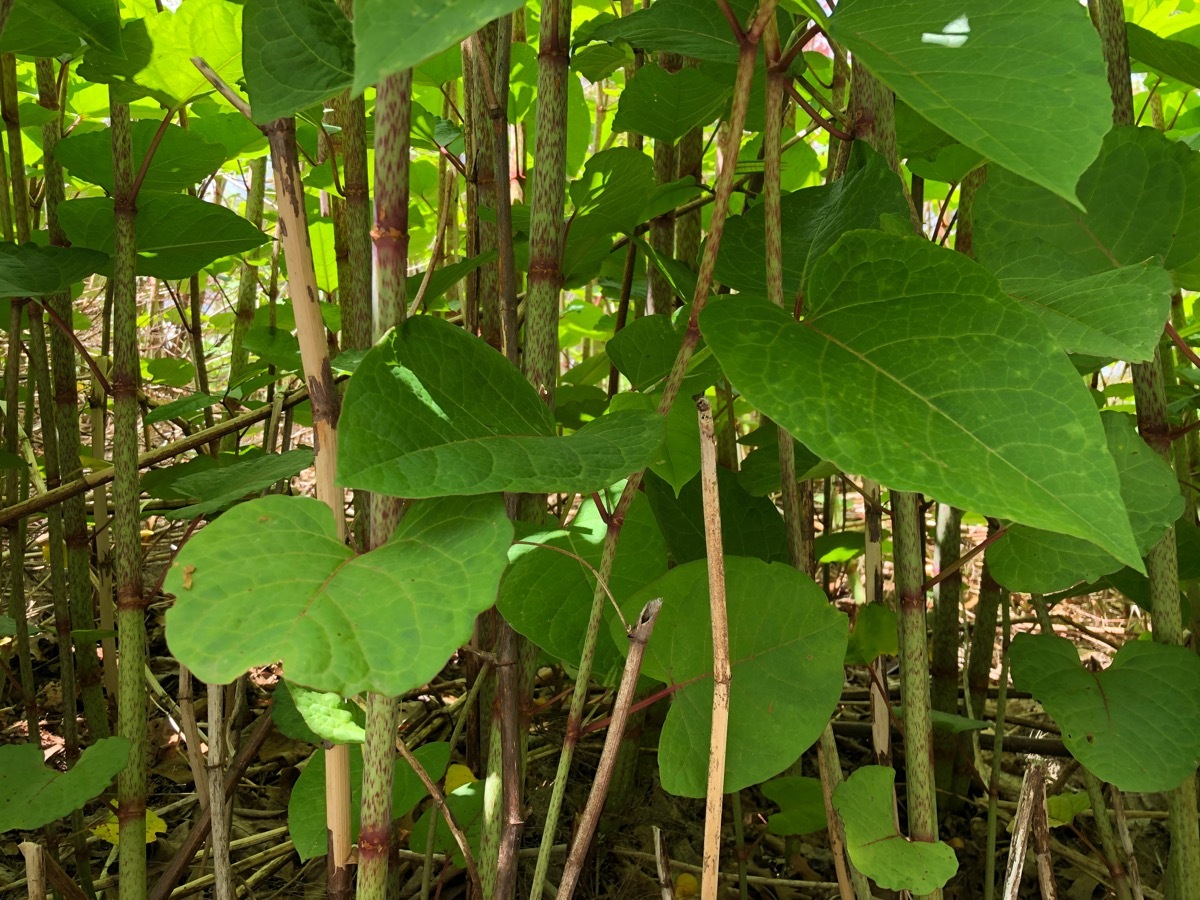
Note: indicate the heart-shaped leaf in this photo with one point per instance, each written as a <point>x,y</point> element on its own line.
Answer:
<point>32,795</point>
<point>1136,724</point>
<point>865,802</point>
<point>384,621</point>
<point>665,106</point>
<point>801,802</point>
<point>786,644</point>
<point>434,411</point>
<point>855,381</point>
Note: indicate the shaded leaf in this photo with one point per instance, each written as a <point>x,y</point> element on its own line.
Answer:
<point>32,795</point>
<point>665,106</point>
<point>801,802</point>
<point>182,160</point>
<point>31,270</point>
<point>874,635</point>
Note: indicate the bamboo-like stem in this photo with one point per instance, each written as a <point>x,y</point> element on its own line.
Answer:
<point>1162,565</point>
<point>478,50</point>
<point>35,870</point>
<point>722,193</point>
<point>989,865</point>
<point>218,805</point>
<point>393,114</point>
<point>639,636</point>
<point>127,547</point>
<point>66,419</point>
<point>1107,837</point>
<point>239,356</point>
<point>1033,787</point>
<point>22,216</point>
<point>722,672</point>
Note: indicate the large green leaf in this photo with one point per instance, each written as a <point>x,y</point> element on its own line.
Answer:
<point>1142,195</point>
<point>811,220</point>
<point>177,235</point>
<point>547,596</point>
<point>866,802</point>
<point>970,67</point>
<point>666,106</point>
<point>31,270</point>
<point>385,621</point>
<point>306,806</point>
<point>182,159</point>
<point>433,411</point>
<point>392,36</point>
<point>1135,724</point>
<point>1035,561</point>
<point>613,189</point>
<point>893,374</point>
<point>786,644</point>
<point>158,51</point>
<point>32,795</point>
<point>1172,57</point>
<point>31,33</point>
<point>295,53</point>
<point>694,28</point>
<point>96,21</point>
<point>750,526</point>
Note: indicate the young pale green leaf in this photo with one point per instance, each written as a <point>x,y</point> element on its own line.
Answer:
<point>1141,195</point>
<point>1035,561</point>
<point>218,488</point>
<point>1172,57</point>
<point>665,106</point>
<point>801,802</point>
<point>392,36</point>
<point>970,68</point>
<point>1136,724</point>
<point>750,526</point>
<point>856,381</point>
<point>293,724</point>
<point>32,795</point>
<point>547,596</point>
<point>384,621</point>
<point>812,220</point>
<point>99,24</point>
<point>31,270</point>
<point>694,28</point>
<point>295,53</point>
<point>329,717</point>
<point>177,235</point>
<point>182,160</point>
<point>866,803</point>
<point>306,806</point>
<point>433,411</point>
<point>158,51</point>
<point>786,644</point>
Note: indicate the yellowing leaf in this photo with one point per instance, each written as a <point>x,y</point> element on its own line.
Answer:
<point>458,775</point>
<point>686,886</point>
<point>108,829</point>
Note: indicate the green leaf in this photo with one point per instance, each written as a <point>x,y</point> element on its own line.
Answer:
<point>786,643</point>
<point>393,36</point>
<point>644,350</point>
<point>856,382</point>
<point>693,28</point>
<point>1135,724</point>
<point>750,526</point>
<point>1174,58</point>
<point>1140,195</point>
<point>930,152</point>
<point>678,459</point>
<point>434,411</point>
<point>158,50</point>
<point>385,621</point>
<point>168,371</point>
<point>866,803</point>
<point>323,717</point>
<point>874,635</point>
<point>98,23</point>
<point>801,802</point>
<point>218,488</point>
<point>31,33</point>
<point>971,69</point>
<point>759,473</point>
<point>1061,809</point>
<point>547,596</point>
<point>1031,560</point>
<point>447,276</point>
<point>613,189</point>
<point>177,235</point>
<point>32,795</point>
<point>466,805</point>
<point>184,407</point>
<point>182,160</point>
<point>666,106</point>
<point>306,806</point>
<point>295,53</point>
<point>31,270</point>
<point>598,61</point>
<point>812,220</point>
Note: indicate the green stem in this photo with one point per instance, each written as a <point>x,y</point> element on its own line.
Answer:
<point>131,602</point>
<point>1107,838</point>
<point>239,356</point>
<point>989,877</point>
